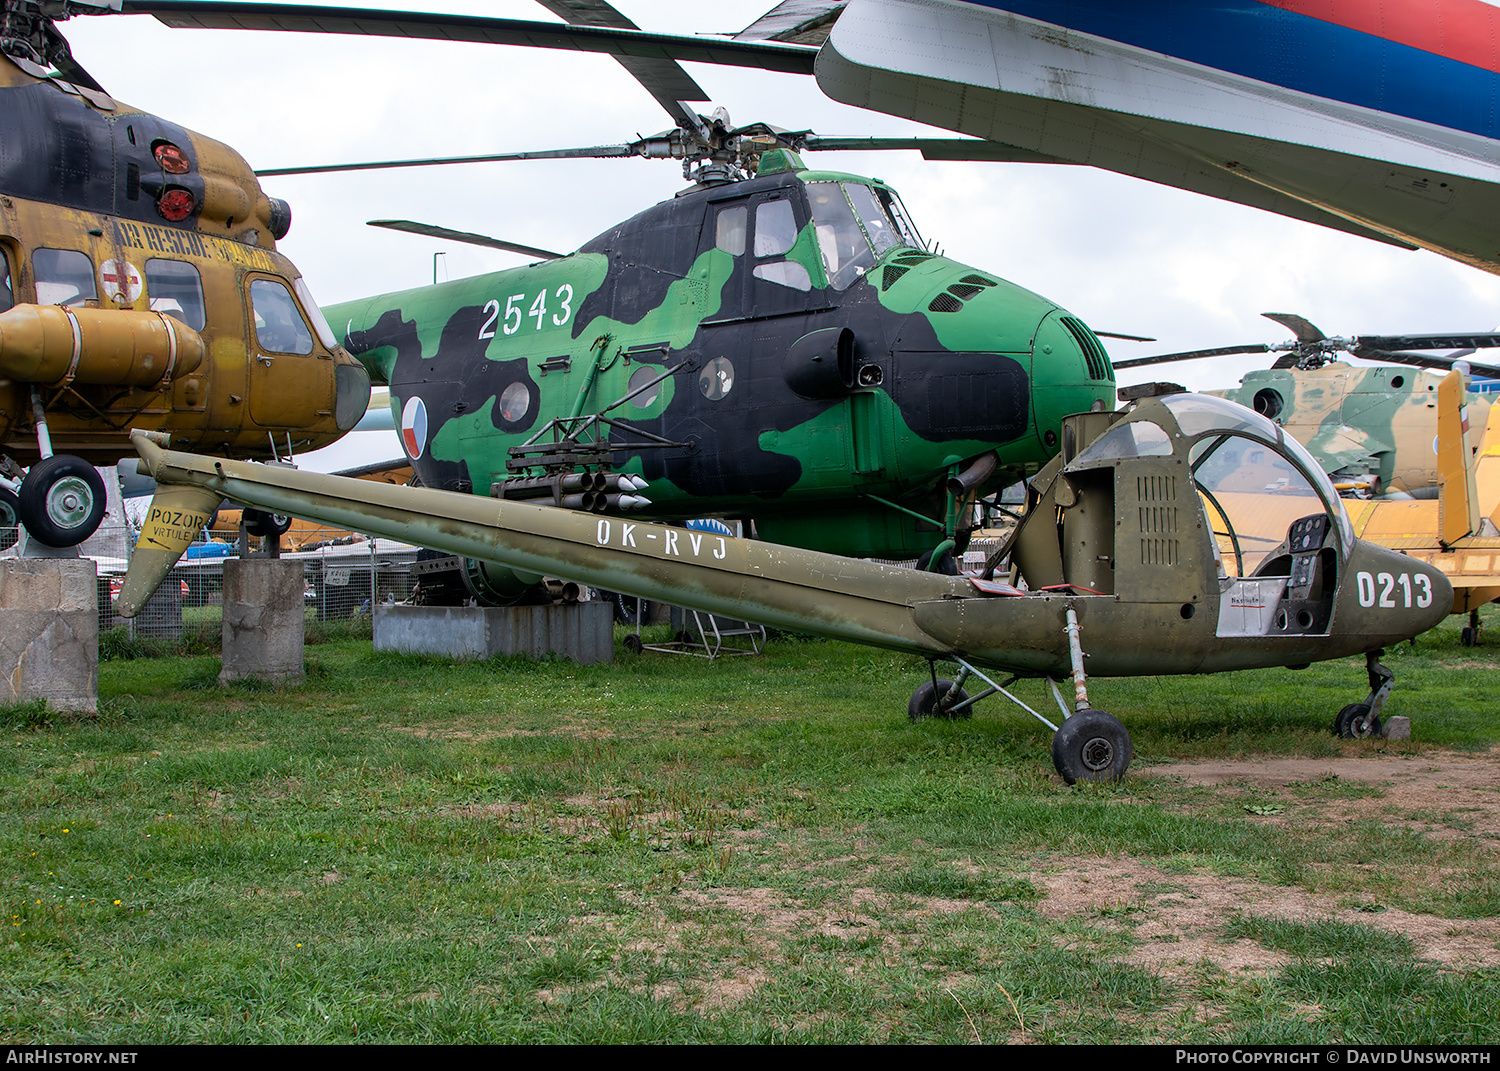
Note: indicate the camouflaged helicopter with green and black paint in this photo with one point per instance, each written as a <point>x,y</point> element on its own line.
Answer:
<point>780,348</point>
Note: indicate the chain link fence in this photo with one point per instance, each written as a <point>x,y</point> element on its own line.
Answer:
<point>342,580</point>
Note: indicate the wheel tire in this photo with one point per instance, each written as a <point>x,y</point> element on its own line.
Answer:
<point>1091,746</point>
<point>10,517</point>
<point>926,702</point>
<point>947,564</point>
<point>1355,722</point>
<point>633,644</point>
<point>1469,637</point>
<point>262,524</point>
<point>62,500</point>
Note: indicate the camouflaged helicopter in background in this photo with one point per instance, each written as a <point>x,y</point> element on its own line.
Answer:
<point>775,344</point>
<point>139,287</point>
<point>1373,429</point>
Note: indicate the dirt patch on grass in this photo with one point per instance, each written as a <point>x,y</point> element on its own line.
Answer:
<point>1178,920</point>
<point>1440,793</point>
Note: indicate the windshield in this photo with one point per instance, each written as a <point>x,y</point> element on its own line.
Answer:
<point>856,225</point>
<point>1197,413</point>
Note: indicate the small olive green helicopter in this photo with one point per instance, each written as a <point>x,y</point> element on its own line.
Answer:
<point>1181,534</point>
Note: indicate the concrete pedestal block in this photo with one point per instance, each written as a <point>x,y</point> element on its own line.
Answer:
<point>49,632</point>
<point>582,631</point>
<point>263,620</point>
<point>1396,728</point>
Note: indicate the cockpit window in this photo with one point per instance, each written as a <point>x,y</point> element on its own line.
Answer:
<point>897,211</point>
<point>1197,413</point>
<point>1253,495</point>
<point>841,240</point>
<point>278,325</point>
<point>878,225</point>
<point>775,228</point>
<point>1134,438</point>
<point>730,228</point>
<point>63,277</point>
<point>176,289</point>
<point>856,225</point>
<point>7,296</point>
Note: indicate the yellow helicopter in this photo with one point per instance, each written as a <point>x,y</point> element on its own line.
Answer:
<point>139,287</point>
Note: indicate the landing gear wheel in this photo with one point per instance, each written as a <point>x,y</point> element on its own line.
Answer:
<point>62,500</point>
<point>1469,637</point>
<point>633,643</point>
<point>262,524</point>
<point>933,702</point>
<point>1355,722</point>
<point>1091,746</point>
<point>10,517</point>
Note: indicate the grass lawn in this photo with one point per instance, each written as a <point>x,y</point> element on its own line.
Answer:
<point>753,850</point>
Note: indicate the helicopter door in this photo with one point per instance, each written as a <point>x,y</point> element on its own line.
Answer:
<point>764,235</point>
<point>289,386</point>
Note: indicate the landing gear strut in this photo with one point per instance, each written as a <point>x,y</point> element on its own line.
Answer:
<point>1090,745</point>
<point>1360,720</point>
<point>61,501</point>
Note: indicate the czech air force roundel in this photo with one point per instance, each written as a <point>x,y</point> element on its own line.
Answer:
<point>414,427</point>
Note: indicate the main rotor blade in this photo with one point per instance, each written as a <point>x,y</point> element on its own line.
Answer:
<point>936,149</point>
<point>1424,360</point>
<point>1479,341</point>
<point>1117,334</point>
<point>317,18</point>
<point>594,152</point>
<point>1302,329</point>
<point>468,237</point>
<point>664,79</point>
<point>1190,355</point>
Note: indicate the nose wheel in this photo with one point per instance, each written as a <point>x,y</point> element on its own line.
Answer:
<point>62,500</point>
<point>1358,721</point>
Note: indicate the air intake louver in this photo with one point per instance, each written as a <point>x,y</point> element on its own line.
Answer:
<point>1093,351</point>
<point>891,274</point>
<point>945,303</point>
<point>964,290</point>
<point>978,280</point>
<point>913,258</point>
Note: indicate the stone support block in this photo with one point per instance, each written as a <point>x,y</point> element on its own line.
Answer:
<point>263,619</point>
<point>49,632</point>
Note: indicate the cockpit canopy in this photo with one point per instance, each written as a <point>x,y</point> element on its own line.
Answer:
<point>1254,479</point>
<point>857,224</point>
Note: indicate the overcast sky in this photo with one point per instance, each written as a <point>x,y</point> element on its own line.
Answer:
<point>1123,254</point>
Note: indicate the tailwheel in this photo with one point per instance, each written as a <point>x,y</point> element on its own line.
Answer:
<point>62,500</point>
<point>936,699</point>
<point>1091,746</point>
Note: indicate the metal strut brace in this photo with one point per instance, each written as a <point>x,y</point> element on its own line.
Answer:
<point>1381,681</point>
<point>993,689</point>
<point>1075,655</point>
